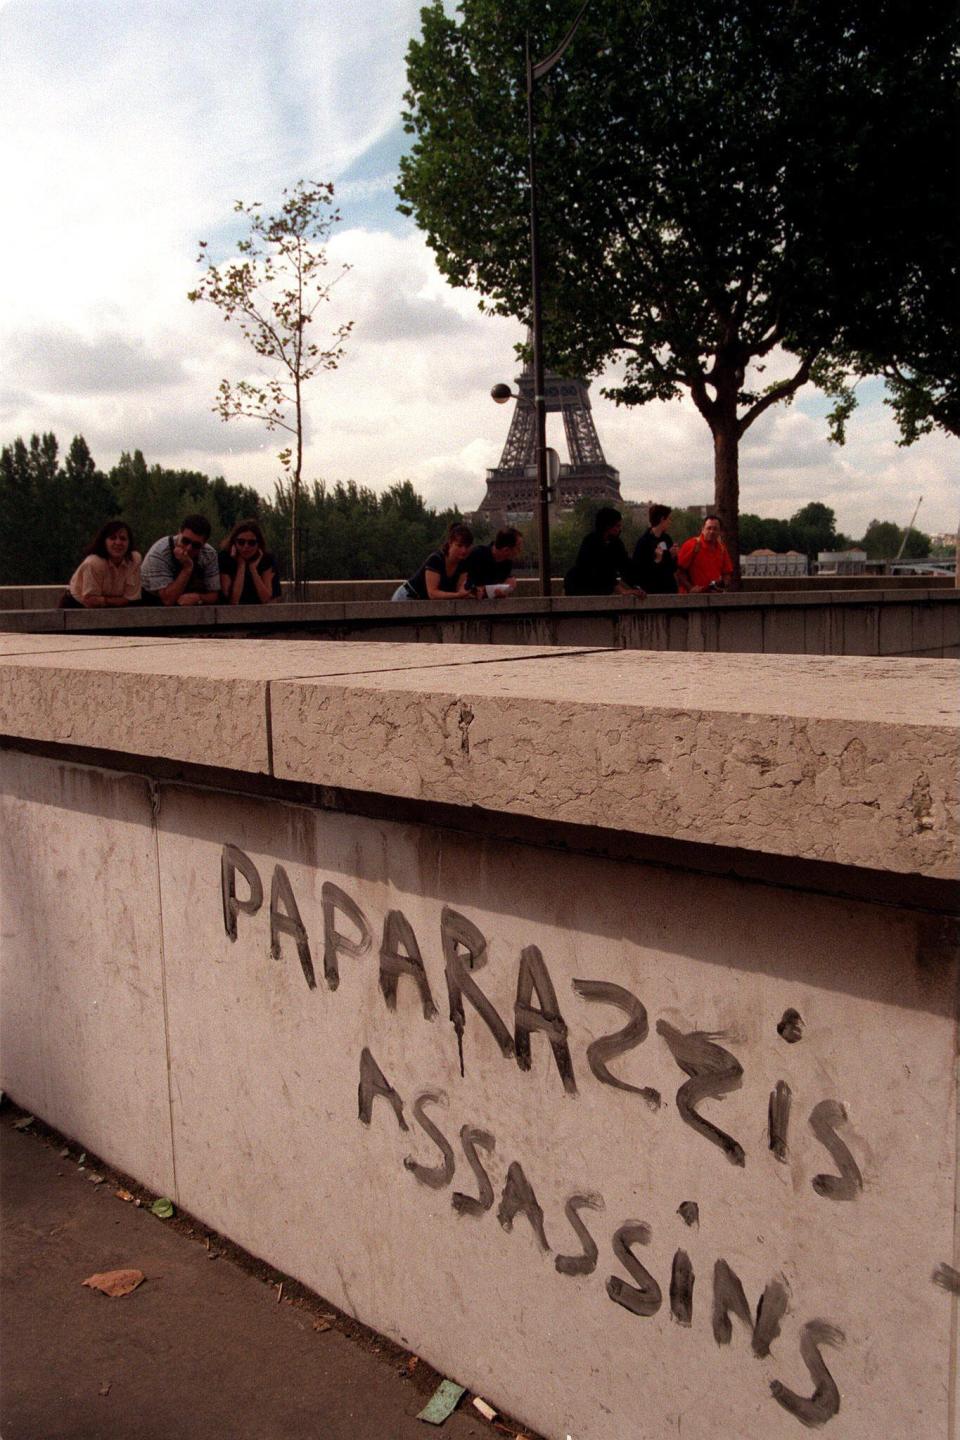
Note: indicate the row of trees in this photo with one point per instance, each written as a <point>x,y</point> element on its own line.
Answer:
<point>51,509</point>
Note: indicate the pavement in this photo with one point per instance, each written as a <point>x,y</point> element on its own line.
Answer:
<point>200,1349</point>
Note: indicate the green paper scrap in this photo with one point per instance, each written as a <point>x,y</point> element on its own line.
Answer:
<point>162,1208</point>
<point>442,1402</point>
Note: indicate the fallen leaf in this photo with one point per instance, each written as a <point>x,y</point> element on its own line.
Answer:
<point>162,1208</point>
<point>24,1122</point>
<point>412,1364</point>
<point>322,1325</point>
<point>116,1283</point>
<point>123,1195</point>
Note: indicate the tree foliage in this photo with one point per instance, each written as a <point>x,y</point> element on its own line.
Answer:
<point>273,291</point>
<point>52,511</point>
<point>710,174</point>
<point>883,538</point>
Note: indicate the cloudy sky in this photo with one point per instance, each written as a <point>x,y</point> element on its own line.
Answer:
<point>127,130</point>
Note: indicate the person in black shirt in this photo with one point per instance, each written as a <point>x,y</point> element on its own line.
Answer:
<point>443,575</point>
<point>249,574</point>
<point>602,566</point>
<point>489,566</point>
<point>655,555</point>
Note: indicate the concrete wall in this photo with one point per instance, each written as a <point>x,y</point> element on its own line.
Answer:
<point>539,1018</point>
<point>923,625</point>
<point>339,592</point>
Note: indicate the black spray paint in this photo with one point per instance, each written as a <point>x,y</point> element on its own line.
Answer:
<point>824,1403</point>
<point>435,1176</point>
<point>586,1262</point>
<point>728,1296</point>
<point>533,978</point>
<point>848,1184</point>
<point>947,1278</point>
<point>335,944</point>
<point>373,1082</point>
<point>231,860</point>
<point>607,1047</point>
<point>519,1198</point>
<point>470,1138</point>
<point>778,1119</point>
<point>465,950</point>
<point>287,921</point>
<point>400,955</point>
<point>681,1288</point>
<point>645,1296</point>
<point>713,1072</point>
<point>791,1026</point>
<point>689,1212</point>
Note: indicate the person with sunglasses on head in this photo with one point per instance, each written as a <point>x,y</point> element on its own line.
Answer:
<point>109,573</point>
<point>249,574</point>
<point>182,569</point>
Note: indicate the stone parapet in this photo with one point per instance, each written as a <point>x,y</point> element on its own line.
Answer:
<point>842,760</point>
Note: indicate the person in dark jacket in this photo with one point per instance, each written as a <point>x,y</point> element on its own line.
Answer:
<point>602,566</point>
<point>655,555</point>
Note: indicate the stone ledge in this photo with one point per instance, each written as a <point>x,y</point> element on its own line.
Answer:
<point>846,760</point>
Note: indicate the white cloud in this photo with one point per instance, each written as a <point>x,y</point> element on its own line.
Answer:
<point>128,129</point>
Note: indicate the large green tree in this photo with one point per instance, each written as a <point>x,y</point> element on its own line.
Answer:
<point>709,175</point>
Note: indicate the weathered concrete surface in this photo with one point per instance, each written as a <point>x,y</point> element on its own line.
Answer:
<point>197,701</point>
<point>82,1022</point>
<point>351,592</point>
<point>849,761</point>
<point>914,621</point>
<point>172,1361</point>
<point>270,1146</point>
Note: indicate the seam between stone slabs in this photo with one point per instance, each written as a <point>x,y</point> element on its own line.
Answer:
<point>142,644</point>
<point>556,652</point>
<point>154,790</point>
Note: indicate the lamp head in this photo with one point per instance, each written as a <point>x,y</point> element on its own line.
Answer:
<point>502,393</point>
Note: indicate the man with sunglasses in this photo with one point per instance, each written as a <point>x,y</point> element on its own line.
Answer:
<point>182,569</point>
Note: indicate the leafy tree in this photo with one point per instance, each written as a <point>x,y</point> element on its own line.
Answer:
<point>29,503</point>
<point>812,529</point>
<point>273,290</point>
<point>882,542</point>
<point>702,169</point>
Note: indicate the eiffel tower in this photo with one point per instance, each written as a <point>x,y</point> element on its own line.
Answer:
<point>512,486</point>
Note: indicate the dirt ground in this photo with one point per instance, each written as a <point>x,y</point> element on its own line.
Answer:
<point>211,1344</point>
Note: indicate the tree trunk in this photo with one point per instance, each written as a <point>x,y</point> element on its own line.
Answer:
<point>726,479</point>
<point>294,512</point>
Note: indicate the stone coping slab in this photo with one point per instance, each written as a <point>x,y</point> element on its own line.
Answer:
<point>847,760</point>
<point>216,617</point>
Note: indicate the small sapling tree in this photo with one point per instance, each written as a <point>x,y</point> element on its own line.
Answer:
<point>273,289</point>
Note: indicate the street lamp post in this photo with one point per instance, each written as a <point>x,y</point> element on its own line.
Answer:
<point>535,70</point>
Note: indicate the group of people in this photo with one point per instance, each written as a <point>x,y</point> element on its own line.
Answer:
<point>658,566</point>
<point>185,569</point>
<point>180,569</point>
<point>459,568</point>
